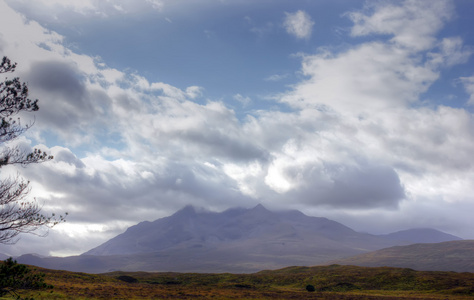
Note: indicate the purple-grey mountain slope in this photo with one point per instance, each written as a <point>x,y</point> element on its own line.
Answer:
<point>237,240</point>
<point>421,235</point>
<point>256,230</point>
<point>455,256</point>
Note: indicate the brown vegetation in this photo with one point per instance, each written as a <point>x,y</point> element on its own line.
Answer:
<point>330,282</point>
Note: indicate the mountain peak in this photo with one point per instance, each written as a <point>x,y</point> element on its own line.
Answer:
<point>187,210</point>
<point>259,207</point>
<point>260,213</point>
<point>260,210</point>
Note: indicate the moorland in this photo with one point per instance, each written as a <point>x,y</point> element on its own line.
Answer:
<point>329,282</point>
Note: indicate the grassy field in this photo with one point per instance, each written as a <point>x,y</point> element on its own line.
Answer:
<point>329,282</point>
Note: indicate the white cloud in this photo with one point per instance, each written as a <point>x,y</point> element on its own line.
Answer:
<point>298,24</point>
<point>369,78</point>
<point>259,30</point>
<point>468,83</point>
<point>371,93</point>
<point>452,52</point>
<point>62,10</point>
<point>356,128</point>
<point>412,24</point>
<point>245,101</point>
<point>276,77</point>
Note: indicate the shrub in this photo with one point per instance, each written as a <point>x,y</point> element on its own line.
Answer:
<point>127,278</point>
<point>310,288</point>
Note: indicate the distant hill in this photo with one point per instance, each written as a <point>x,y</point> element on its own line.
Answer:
<point>421,235</point>
<point>237,240</point>
<point>455,256</point>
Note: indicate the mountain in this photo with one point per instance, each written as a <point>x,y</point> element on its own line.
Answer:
<point>237,240</point>
<point>257,231</point>
<point>421,235</point>
<point>455,256</point>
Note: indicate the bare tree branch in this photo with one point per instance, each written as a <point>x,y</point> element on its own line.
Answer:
<point>18,214</point>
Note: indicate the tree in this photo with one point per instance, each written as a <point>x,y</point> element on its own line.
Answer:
<point>17,213</point>
<point>14,277</point>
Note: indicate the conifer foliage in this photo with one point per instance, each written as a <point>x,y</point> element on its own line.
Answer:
<point>15,277</point>
<point>18,213</point>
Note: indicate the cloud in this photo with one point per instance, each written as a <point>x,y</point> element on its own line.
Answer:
<point>319,170</point>
<point>95,189</point>
<point>356,137</point>
<point>411,24</point>
<point>372,92</point>
<point>57,77</point>
<point>361,187</point>
<point>366,79</point>
<point>68,104</point>
<point>64,155</point>
<point>73,9</point>
<point>298,24</point>
<point>245,101</point>
<point>276,77</point>
<point>452,52</point>
<point>468,83</point>
<point>259,30</point>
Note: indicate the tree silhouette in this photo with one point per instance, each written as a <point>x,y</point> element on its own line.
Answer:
<point>17,213</point>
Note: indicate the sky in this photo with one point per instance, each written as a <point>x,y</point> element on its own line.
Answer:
<point>358,111</point>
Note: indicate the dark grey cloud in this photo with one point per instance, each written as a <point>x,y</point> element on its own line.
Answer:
<point>345,187</point>
<point>126,102</point>
<point>94,193</point>
<point>377,186</point>
<point>215,142</point>
<point>68,106</point>
<point>61,78</point>
<point>63,97</point>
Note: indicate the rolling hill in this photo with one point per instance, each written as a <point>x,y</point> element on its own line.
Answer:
<point>447,256</point>
<point>421,235</point>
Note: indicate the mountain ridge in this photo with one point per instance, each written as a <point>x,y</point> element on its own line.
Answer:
<point>236,240</point>
<point>206,228</point>
<point>421,235</point>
